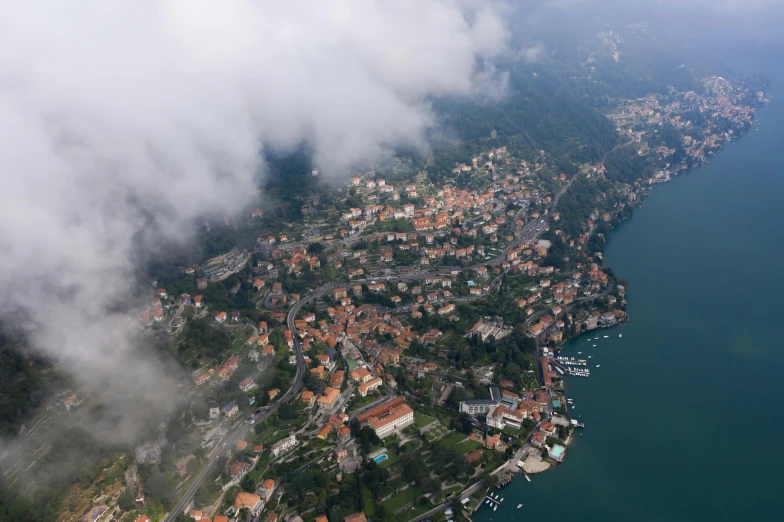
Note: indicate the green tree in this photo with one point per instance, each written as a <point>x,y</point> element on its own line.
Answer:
<point>125,500</point>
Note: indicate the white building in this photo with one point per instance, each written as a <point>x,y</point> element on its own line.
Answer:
<point>369,386</point>
<point>396,419</point>
<point>284,445</point>
<point>478,407</point>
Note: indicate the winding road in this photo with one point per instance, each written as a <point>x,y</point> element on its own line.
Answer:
<point>530,232</point>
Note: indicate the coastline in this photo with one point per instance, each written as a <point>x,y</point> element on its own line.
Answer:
<point>644,192</point>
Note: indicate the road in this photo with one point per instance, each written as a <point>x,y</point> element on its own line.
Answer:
<point>530,232</point>
<point>241,430</point>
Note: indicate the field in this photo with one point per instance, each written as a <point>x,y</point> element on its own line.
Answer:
<point>421,420</point>
<point>396,502</point>
<point>467,446</point>
<point>452,439</point>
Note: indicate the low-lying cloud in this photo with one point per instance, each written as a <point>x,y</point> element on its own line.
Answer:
<point>124,120</point>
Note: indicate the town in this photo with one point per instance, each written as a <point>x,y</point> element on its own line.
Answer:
<point>394,354</point>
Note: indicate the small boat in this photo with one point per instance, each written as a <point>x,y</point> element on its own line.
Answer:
<point>495,507</point>
<point>598,365</point>
<point>578,353</point>
<point>487,501</point>
<point>620,335</point>
<point>606,336</point>
<point>590,356</point>
<point>594,346</point>
<point>502,500</point>
<point>595,338</point>
<point>519,506</point>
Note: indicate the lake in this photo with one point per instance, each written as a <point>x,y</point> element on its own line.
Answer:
<point>683,419</point>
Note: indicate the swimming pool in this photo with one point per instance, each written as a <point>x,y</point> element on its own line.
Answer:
<point>556,452</point>
<point>380,458</point>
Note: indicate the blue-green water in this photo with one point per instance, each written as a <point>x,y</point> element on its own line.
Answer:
<point>683,419</point>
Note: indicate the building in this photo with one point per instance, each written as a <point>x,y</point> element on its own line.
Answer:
<point>389,417</point>
<point>478,406</point>
<point>369,386</point>
<point>324,432</point>
<point>247,385</point>
<point>284,445</point>
<point>238,469</point>
<point>308,398</point>
<point>230,409</point>
<point>328,397</point>
<point>214,410</point>
<point>356,517</point>
<point>249,501</point>
<point>344,434</point>
<point>361,375</point>
<point>267,487</point>
<point>495,418</point>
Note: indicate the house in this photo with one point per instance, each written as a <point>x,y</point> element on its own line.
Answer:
<point>369,386</point>
<point>344,434</point>
<point>197,301</point>
<point>267,487</point>
<point>248,501</point>
<point>230,409</point>
<point>247,385</point>
<point>324,432</point>
<point>221,317</point>
<point>201,379</point>
<point>142,518</point>
<point>328,398</point>
<point>339,454</point>
<point>238,469</point>
<point>356,517</point>
<point>273,393</point>
<point>361,375</point>
<point>214,410</point>
<point>336,379</point>
<point>308,398</point>
<point>284,445</point>
<point>493,441</point>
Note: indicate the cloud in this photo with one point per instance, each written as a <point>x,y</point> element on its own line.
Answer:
<point>124,120</point>
<point>533,53</point>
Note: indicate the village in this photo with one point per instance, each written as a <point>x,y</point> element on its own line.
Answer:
<point>397,358</point>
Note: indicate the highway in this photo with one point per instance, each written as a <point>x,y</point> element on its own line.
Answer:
<point>241,430</point>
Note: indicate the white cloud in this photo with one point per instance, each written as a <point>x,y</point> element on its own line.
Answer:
<point>126,119</point>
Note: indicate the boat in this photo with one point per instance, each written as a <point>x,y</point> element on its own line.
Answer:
<point>578,353</point>
<point>620,335</point>
<point>590,356</point>
<point>519,506</point>
<point>598,365</point>
<point>606,336</point>
<point>495,507</point>
<point>594,346</point>
<point>502,500</point>
<point>487,501</point>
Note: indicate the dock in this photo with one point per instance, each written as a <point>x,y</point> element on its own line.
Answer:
<point>491,499</point>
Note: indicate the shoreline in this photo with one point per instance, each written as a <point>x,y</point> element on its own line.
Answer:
<point>541,465</point>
